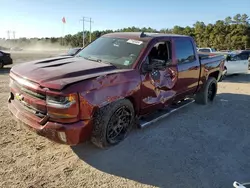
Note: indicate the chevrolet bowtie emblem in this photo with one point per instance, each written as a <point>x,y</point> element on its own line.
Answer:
<point>19,96</point>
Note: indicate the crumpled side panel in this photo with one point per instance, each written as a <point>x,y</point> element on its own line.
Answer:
<point>162,82</point>
<point>100,91</point>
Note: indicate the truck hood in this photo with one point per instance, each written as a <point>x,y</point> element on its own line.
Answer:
<point>58,72</point>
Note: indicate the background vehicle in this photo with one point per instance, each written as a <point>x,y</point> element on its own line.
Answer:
<point>119,80</point>
<point>249,63</point>
<point>237,63</point>
<point>241,185</point>
<point>5,59</point>
<point>206,50</point>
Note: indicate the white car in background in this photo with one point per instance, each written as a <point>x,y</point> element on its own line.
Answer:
<point>237,63</point>
<point>208,50</point>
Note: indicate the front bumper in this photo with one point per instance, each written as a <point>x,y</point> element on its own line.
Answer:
<point>8,62</point>
<point>70,134</point>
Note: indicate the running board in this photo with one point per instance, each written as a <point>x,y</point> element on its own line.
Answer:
<point>152,118</point>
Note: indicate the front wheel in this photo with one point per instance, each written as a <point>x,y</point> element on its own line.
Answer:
<point>207,92</point>
<point>112,123</point>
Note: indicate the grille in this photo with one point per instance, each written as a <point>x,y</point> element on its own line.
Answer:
<point>31,93</point>
<point>28,93</point>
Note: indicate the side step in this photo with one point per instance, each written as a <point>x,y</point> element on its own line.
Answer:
<point>152,118</point>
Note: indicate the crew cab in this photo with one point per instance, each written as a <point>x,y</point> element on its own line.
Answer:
<point>117,81</point>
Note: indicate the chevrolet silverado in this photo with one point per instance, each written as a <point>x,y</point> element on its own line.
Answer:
<point>117,81</point>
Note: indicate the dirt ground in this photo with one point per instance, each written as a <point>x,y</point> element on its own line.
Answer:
<point>199,146</point>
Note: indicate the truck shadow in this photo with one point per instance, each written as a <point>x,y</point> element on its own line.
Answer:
<point>199,146</point>
<point>5,70</point>
<point>238,78</point>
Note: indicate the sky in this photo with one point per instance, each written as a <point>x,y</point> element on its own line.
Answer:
<point>43,18</point>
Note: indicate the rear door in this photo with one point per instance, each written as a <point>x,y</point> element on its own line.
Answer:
<point>188,66</point>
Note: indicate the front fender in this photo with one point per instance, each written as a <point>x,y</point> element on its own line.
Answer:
<point>103,90</point>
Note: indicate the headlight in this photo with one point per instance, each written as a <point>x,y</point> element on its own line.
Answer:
<point>61,102</point>
<point>63,108</point>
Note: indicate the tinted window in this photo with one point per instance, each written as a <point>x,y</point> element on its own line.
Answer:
<point>184,51</point>
<point>244,56</point>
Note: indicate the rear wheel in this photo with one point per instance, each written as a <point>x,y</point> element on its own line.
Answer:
<point>112,123</point>
<point>208,92</point>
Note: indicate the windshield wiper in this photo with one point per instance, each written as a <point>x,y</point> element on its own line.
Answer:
<point>98,60</point>
<point>93,59</point>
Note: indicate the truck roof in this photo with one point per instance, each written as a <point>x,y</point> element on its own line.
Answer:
<point>143,36</point>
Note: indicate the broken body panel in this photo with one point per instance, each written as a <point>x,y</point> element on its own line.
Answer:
<point>92,85</point>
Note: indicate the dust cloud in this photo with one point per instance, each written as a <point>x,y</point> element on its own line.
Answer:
<point>31,45</point>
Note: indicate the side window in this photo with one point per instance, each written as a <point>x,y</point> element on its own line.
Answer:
<point>161,51</point>
<point>244,56</point>
<point>184,51</point>
<point>239,57</point>
<point>1,54</point>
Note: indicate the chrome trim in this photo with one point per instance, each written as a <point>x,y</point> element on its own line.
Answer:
<point>17,85</point>
<point>164,115</point>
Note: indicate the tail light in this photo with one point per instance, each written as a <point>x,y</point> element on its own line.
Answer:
<point>63,108</point>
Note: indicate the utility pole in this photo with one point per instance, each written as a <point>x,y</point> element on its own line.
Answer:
<point>14,34</point>
<point>83,36</point>
<point>8,42</point>
<point>90,30</point>
<point>8,34</point>
<point>86,19</point>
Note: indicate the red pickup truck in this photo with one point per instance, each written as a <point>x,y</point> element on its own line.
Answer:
<point>117,81</point>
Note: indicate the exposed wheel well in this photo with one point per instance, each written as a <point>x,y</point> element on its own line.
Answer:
<point>215,75</point>
<point>132,100</point>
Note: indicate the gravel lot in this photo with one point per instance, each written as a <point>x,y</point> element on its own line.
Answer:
<point>199,146</point>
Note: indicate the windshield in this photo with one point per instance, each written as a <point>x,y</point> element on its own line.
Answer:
<point>116,51</point>
<point>213,50</point>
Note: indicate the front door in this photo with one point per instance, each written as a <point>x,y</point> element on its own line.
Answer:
<point>238,64</point>
<point>157,84</point>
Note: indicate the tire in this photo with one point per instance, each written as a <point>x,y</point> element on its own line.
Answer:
<point>102,125</point>
<point>207,92</point>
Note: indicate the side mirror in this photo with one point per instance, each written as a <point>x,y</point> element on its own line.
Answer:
<point>228,58</point>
